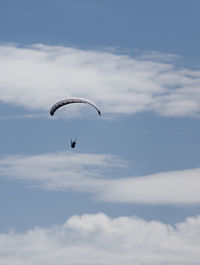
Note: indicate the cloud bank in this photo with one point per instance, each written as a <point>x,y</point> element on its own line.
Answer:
<point>101,240</point>
<point>102,175</point>
<point>172,187</point>
<point>35,77</point>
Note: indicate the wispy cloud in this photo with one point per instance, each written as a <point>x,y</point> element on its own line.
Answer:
<point>101,240</point>
<point>61,171</point>
<point>22,117</point>
<point>36,76</point>
<point>98,174</point>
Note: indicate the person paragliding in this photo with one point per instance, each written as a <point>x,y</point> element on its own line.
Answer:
<point>73,143</point>
<point>70,101</point>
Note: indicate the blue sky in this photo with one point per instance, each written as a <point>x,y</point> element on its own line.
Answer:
<point>135,171</point>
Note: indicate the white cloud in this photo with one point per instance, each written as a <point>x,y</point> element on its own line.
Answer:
<point>173,187</point>
<point>35,77</point>
<point>61,171</point>
<point>96,174</point>
<point>101,240</point>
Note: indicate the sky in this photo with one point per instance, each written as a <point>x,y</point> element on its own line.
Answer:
<point>129,193</point>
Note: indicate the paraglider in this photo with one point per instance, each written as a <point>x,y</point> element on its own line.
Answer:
<point>70,101</point>
<point>73,143</point>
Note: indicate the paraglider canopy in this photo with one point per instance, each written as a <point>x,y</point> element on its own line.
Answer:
<point>70,101</point>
